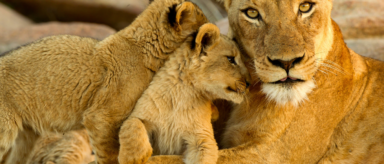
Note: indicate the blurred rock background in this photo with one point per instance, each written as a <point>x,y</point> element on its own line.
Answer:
<point>23,21</point>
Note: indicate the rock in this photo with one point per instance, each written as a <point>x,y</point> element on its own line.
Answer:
<point>211,9</point>
<point>373,48</point>
<point>115,13</point>
<point>359,18</point>
<point>14,38</point>
<point>223,25</point>
<point>11,20</point>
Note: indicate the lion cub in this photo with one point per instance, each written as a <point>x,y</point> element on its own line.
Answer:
<point>174,113</point>
<point>64,83</point>
<point>56,148</point>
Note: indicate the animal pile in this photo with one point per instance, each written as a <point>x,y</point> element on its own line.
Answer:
<point>148,89</point>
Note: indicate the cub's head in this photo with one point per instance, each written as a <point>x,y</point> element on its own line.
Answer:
<point>216,67</point>
<point>172,21</point>
<point>286,40</point>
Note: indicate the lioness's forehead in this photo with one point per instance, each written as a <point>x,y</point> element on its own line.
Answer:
<point>277,4</point>
<point>282,2</point>
<point>274,9</point>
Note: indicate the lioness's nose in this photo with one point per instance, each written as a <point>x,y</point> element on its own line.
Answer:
<point>286,65</point>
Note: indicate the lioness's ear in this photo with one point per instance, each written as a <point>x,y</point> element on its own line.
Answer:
<point>189,18</point>
<point>207,37</point>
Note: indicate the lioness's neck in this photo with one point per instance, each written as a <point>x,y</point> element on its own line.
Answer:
<point>338,59</point>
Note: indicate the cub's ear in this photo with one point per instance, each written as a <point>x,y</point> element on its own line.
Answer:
<point>207,37</point>
<point>189,18</point>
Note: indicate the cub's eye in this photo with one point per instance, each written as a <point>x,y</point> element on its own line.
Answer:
<point>252,13</point>
<point>305,7</point>
<point>231,59</point>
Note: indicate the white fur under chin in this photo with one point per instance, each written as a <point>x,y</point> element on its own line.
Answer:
<point>294,95</point>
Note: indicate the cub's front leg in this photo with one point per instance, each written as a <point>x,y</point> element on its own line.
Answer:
<point>103,128</point>
<point>135,147</point>
<point>201,148</point>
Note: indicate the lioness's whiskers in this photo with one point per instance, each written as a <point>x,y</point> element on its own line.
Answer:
<point>322,72</point>
<point>313,78</point>
<point>334,68</point>
<point>336,65</point>
<point>331,64</point>
<point>254,84</point>
<point>329,71</point>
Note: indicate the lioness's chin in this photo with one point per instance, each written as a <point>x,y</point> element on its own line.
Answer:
<point>288,93</point>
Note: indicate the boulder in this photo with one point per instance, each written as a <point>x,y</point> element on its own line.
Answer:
<point>115,13</point>
<point>223,25</point>
<point>213,10</point>
<point>359,18</point>
<point>373,48</point>
<point>14,38</point>
<point>11,20</point>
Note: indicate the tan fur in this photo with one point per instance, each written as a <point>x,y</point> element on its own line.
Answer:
<point>25,142</point>
<point>340,120</point>
<point>69,148</point>
<point>173,116</point>
<point>63,83</point>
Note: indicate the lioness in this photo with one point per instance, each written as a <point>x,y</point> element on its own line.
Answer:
<point>175,110</point>
<point>63,83</point>
<point>313,99</point>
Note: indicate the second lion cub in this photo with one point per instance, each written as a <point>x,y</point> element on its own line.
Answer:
<point>174,113</point>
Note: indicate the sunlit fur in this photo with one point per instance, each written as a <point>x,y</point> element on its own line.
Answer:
<point>173,116</point>
<point>340,121</point>
<point>285,39</point>
<point>70,148</point>
<point>283,94</point>
<point>63,83</point>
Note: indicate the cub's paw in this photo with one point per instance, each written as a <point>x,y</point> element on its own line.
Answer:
<point>168,159</point>
<point>137,155</point>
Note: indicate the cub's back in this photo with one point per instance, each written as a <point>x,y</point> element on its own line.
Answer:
<point>54,75</point>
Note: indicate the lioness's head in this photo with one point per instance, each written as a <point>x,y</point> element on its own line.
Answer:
<point>215,66</point>
<point>286,40</point>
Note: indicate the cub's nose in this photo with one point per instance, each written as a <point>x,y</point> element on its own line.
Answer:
<point>286,65</point>
<point>246,84</point>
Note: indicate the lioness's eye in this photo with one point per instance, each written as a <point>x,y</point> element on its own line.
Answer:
<point>231,59</point>
<point>305,7</point>
<point>252,13</point>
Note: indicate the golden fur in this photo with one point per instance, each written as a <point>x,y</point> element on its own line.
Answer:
<point>64,83</point>
<point>23,146</point>
<point>334,115</point>
<point>70,148</point>
<point>173,116</point>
